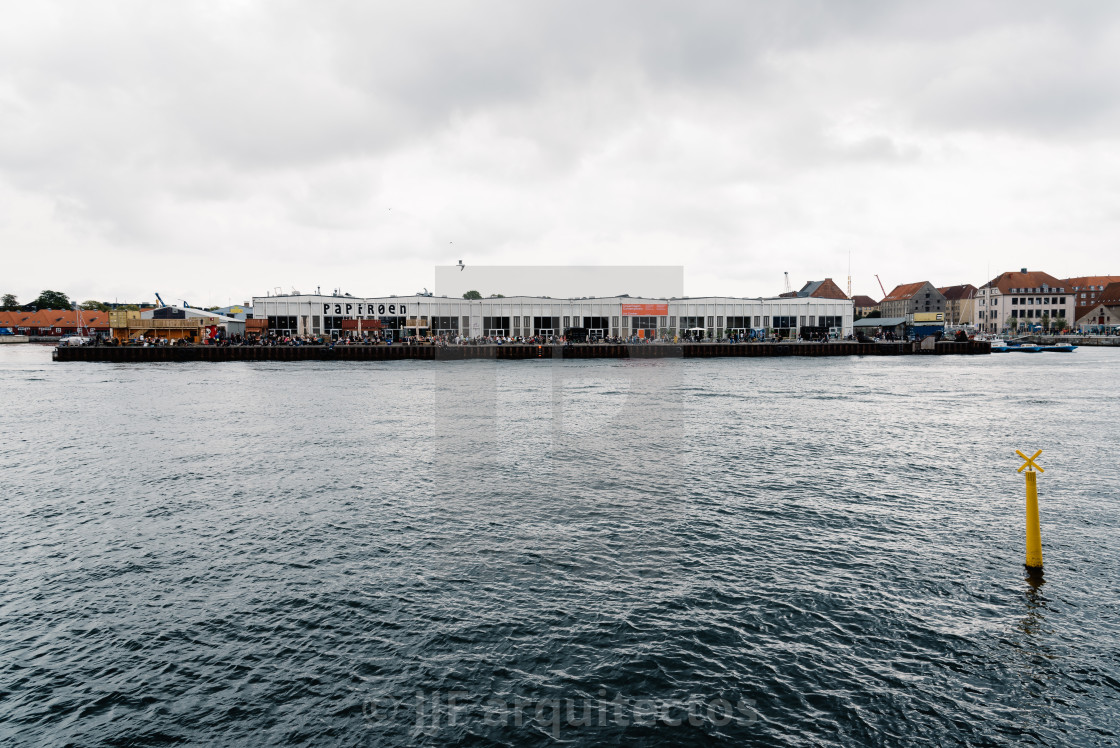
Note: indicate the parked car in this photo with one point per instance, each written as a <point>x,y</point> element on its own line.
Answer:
<point>73,340</point>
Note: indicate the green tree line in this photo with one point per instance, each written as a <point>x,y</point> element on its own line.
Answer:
<point>48,299</point>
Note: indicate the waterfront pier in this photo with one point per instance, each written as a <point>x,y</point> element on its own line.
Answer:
<point>151,354</point>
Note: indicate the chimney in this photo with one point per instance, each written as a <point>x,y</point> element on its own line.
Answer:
<point>1023,270</point>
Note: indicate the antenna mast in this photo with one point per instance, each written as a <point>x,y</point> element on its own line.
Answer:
<point>849,273</point>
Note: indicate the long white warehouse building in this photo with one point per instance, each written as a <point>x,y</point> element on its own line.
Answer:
<point>527,315</point>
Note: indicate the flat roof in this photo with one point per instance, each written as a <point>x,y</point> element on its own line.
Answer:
<point>622,299</point>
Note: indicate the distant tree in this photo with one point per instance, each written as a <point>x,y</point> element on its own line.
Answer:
<point>1059,323</point>
<point>52,300</point>
<point>1011,323</point>
<point>472,295</point>
<point>873,314</point>
<point>91,305</point>
<point>9,303</point>
<point>497,296</point>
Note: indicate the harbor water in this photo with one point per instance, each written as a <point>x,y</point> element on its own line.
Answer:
<point>786,551</point>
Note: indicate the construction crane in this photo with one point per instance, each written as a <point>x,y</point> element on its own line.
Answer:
<point>881,286</point>
<point>161,301</point>
<point>788,289</point>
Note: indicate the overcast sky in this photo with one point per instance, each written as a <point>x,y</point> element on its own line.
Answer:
<point>214,151</point>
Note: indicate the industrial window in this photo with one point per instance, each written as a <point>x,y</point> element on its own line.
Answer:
<point>281,323</point>
<point>546,323</point>
<point>766,321</point>
<point>495,325</point>
<point>757,322</point>
<point>711,322</point>
<point>689,323</point>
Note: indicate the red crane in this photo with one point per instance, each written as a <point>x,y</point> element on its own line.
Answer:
<point>881,286</point>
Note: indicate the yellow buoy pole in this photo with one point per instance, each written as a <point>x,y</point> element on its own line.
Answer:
<point>1034,531</point>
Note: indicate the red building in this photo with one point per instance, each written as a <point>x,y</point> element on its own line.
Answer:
<point>55,323</point>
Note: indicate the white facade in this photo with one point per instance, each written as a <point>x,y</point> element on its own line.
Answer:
<point>527,315</point>
<point>993,309</point>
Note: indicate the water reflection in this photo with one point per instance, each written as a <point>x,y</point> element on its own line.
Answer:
<point>1031,623</point>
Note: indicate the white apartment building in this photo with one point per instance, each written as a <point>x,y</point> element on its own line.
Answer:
<point>1025,297</point>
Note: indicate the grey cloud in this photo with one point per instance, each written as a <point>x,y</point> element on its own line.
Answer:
<point>520,123</point>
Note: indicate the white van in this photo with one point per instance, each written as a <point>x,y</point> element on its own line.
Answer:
<point>73,340</point>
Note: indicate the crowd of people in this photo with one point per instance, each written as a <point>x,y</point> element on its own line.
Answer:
<point>449,339</point>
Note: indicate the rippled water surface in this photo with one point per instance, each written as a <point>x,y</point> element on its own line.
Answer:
<point>779,552</point>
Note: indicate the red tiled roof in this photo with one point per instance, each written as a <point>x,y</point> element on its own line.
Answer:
<point>1087,285</point>
<point>905,291</point>
<point>956,293</point>
<point>56,318</point>
<point>1110,296</point>
<point>858,300</point>
<point>1031,279</point>
<point>827,289</point>
<point>1083,282</point>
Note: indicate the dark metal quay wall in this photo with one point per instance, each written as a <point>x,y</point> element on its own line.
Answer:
<point>136,354</point>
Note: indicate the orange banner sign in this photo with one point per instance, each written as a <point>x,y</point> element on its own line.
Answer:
<point>644,310</point>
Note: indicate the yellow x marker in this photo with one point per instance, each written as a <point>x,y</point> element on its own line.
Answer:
<point>1030,462</point>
